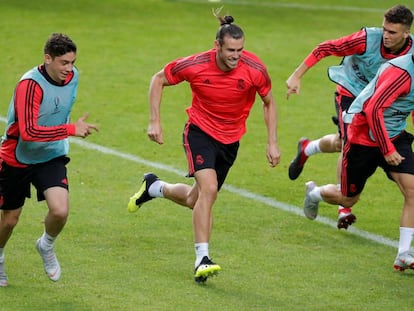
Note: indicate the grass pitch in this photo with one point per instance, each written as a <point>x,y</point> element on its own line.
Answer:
<point>272,258</point>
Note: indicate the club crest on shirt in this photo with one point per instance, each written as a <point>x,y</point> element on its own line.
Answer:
<point>241,84</point>
<point>56,102</point>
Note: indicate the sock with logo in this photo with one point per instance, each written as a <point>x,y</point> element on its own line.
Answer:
<point>46,241</point>
<point>312,147</point>
<point>201,250</point>
<point>155,190</point>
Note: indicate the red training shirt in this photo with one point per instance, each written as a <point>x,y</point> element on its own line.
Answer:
<point>221,101</point>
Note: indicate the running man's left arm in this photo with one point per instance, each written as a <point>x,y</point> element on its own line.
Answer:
<point>392,83</point>
<point>270,118</point>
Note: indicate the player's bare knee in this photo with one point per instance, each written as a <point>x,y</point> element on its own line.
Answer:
<point>190,202</point>
<point>338,145</point>
<point>209,192</point>
<point>9,221</point>
<point>60,213</point>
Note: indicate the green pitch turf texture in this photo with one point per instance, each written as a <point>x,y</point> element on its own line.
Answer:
<point>272,258</point>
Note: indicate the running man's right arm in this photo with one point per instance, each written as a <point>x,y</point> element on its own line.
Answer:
<point>349,45</point>
<point>293,82</point>
<point>158,81</point>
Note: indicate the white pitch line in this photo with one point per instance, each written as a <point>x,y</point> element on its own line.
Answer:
<point>299,6</point>
<point>238,191</point>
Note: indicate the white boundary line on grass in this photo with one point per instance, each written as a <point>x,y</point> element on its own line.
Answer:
<point>288,5</point>
<point>238,191</point>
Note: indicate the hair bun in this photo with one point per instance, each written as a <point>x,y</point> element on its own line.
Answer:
<point>228,19</point>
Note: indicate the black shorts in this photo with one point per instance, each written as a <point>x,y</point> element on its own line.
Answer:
<point>360,162</point>
<point>342,104</point>
<point>15,182</point>
<point>203,151</point>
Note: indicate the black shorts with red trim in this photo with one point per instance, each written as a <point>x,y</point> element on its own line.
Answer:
<point>342,103</point>
<point>203,151</point>
<point>15,182</point>
<point>360,162</point>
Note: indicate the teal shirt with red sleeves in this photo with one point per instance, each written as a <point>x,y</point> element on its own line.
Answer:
<point>221,101</point>
<point>380,111</point>
<point>38,119</point>
<point>363,53</point>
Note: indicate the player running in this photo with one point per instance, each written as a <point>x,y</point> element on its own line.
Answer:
<point>224,83</point>
<point>377,137</point>
<point>363,52</point>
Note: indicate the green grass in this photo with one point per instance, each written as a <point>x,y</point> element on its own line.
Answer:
<point>271,259</point>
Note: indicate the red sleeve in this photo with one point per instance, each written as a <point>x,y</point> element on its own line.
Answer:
<point>393,82</point>
<point>176,71</point>
<point>27,100</point>
<point>171,74</point>
<point>349,45</point>
<point>186,68</point>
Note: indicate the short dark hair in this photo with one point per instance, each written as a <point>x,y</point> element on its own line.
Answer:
<point>59,44</point>
<point>399,14</point>
<point>227,28</point>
